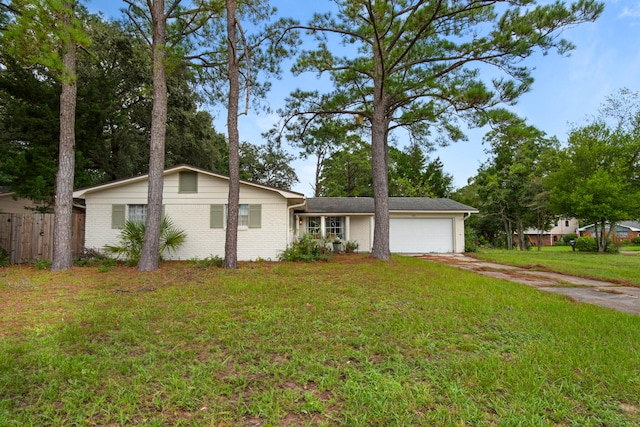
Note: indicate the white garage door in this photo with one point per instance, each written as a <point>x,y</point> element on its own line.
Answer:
<point>421,235</point>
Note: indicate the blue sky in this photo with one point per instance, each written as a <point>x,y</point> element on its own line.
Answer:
<point>567,90</point>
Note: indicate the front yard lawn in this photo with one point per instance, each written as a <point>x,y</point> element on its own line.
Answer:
<point>624,268</point>
<point>350,342</point>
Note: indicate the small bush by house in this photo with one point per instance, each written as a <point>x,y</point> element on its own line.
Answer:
<point>586,244</point>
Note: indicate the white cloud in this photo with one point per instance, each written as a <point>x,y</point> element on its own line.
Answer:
<point>632,11</point>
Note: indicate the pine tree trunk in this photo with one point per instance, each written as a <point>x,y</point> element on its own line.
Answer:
<point>231,241</point>
<point>379,166</point>
<point>149,254</point>
<point>63,207</point>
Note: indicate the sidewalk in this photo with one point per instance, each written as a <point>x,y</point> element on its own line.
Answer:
<point>604,294</point>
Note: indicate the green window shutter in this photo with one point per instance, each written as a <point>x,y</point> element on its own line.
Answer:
<point>118,216</point>
<point>216,218</point>
<point>188,182</point>
<point>255,216</point>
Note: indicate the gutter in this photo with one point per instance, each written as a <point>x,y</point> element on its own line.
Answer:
<point>290,208</point>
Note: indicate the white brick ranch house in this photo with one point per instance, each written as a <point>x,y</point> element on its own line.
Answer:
<point>270,218</point>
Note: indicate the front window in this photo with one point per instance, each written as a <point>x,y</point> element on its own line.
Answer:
<point>313,226</point>
<point>137,213</point>
<point>243,214</point>
<point>334,227</point>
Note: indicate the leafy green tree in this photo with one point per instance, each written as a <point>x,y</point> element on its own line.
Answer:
<point>487,228</point>
<point>407,172</point>
<point>321,140</point>
<point>596,177</point>
<point>30,128</point>
<point>440,182</point>
<point>411,175</point>
<point>267,164</point>
<point>415,64</point>
<point>506,181</point>
<point>347,173</point>
<point>113,116</point>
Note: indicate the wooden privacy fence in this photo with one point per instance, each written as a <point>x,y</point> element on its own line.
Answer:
<point>28,237</point>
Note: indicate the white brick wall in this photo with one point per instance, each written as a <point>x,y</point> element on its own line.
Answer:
<point>190,212</point>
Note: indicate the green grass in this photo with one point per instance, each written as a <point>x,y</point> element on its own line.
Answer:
<point>620,267</point>
<point>351,342</point>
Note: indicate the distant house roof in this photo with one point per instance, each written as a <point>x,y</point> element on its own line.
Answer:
<point>365,205</point>
<point>629,225</point>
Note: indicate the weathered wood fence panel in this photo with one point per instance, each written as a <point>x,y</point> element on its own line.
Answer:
<point>28,237</point>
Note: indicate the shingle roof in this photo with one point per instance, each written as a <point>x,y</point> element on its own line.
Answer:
<point>365,205</point>
<point>634,225</point>
<point>631,225</point>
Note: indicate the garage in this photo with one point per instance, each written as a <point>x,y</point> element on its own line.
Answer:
<point>417,225</point>
<point>421,235</point>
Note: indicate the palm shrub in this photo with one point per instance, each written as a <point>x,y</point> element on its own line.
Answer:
<point>130,245</point>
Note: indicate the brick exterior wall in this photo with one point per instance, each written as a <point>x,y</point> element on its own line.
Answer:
<point>191,212</point>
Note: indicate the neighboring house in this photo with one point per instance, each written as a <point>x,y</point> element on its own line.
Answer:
<point>623,230</point>
<point>11,205</point>
<point>416,224</point>
<point>270,218</point>
<point>561,228</point>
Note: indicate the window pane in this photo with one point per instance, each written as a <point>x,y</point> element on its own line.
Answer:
<point>137,213</point>
<point>313,226</point>
<point>334,227</point>
<point>243,215</point>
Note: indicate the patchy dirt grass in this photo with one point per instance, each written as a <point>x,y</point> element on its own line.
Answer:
<point>352,341</point>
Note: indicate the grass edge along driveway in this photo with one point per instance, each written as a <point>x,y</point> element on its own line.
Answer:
<point>351,342</point>
<point>622,268</point>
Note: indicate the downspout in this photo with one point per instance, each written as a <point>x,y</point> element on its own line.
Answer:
<point>290,208</point>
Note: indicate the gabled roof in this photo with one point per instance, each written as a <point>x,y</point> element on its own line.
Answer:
<point>365,205</point>
<point>82,192</point>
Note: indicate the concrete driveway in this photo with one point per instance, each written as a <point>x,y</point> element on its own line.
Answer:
<point>604,294</point>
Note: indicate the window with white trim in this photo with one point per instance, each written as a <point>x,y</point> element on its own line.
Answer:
<point>243,214</point>
<point>334,227</point>
<point>137,213</point>
<point>249,216</point>
<point>313,226</point>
